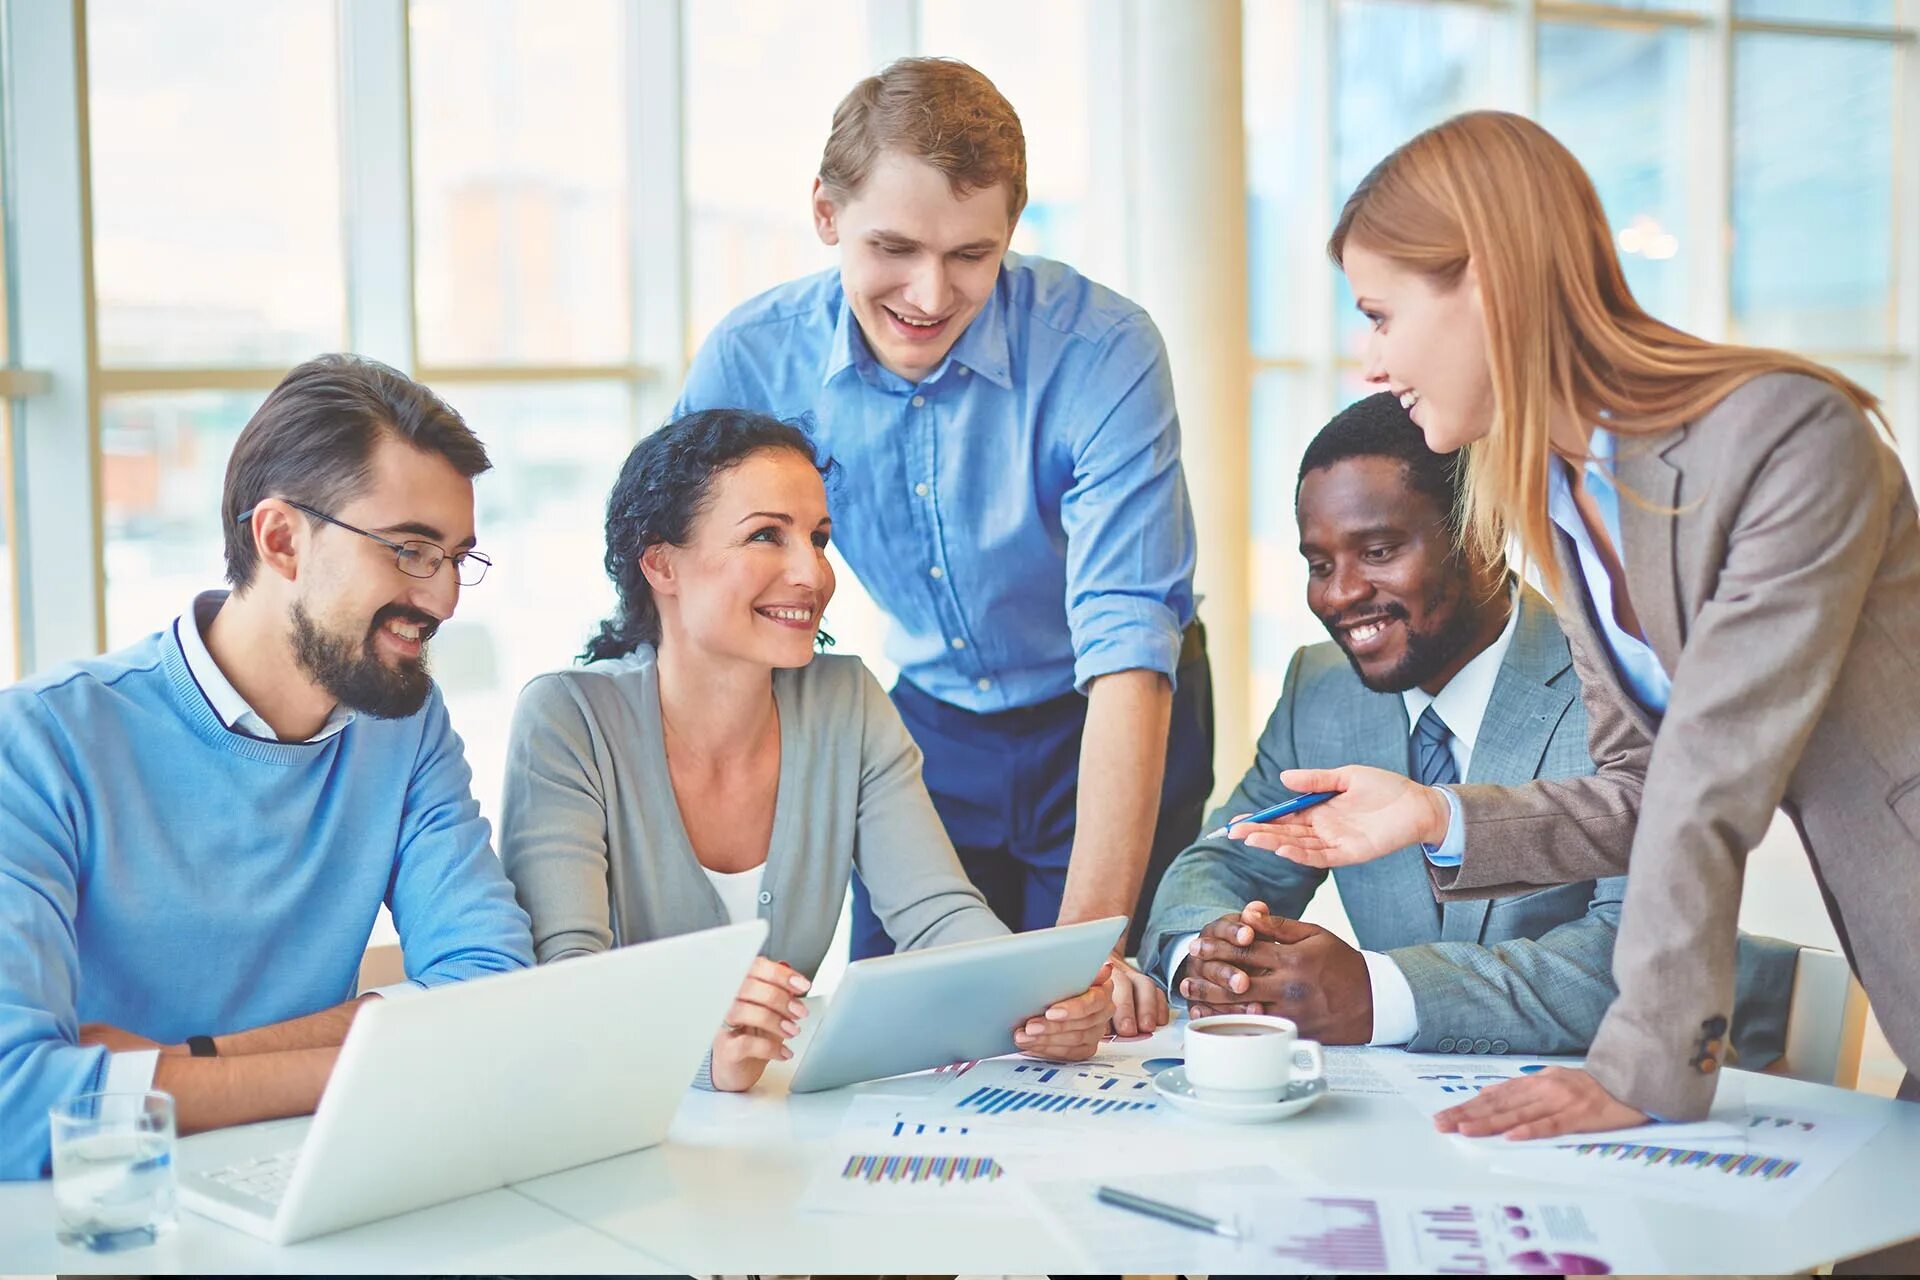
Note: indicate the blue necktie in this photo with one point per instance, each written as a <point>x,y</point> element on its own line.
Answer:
<point>1432,762</point>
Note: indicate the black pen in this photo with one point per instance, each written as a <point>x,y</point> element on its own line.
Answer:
<point>1167,1212</point>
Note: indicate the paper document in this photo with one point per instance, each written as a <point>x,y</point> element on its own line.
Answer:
<point>1784,1154</point>
<point>1285,1231</point>
<point>1357,1069</point>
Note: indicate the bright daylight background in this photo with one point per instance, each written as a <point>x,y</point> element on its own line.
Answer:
<point>582,190</point>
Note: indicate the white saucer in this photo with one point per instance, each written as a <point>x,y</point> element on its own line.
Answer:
<point>1173,1086</point>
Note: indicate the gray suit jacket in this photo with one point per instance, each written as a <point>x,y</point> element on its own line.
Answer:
<point>1774,562</point>
<point>1526,973</point>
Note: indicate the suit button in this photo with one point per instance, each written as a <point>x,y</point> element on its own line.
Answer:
<point>1446,1045</point>
<point>1482,1046</point>
<point>1463,1046</point>
<point>1499,1046</point>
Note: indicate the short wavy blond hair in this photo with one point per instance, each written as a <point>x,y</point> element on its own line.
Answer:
<point>938,110</point>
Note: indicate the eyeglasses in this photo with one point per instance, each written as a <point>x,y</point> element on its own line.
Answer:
<point>416,557</point>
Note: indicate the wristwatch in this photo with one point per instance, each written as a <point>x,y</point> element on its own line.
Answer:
<point>202,1047</point>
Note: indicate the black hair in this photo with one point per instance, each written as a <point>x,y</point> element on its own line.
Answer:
<point>664,485</point>
<point>311,441</point>
<point>1377,427</point>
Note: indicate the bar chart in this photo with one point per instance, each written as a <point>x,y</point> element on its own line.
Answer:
<point>1346,1238</point>
<point>923,1170</point>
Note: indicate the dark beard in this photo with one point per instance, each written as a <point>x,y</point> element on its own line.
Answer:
<point>355,675</point>
<point>1427,652</point>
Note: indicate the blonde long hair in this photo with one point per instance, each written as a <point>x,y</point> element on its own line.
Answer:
<point>1563,331</point>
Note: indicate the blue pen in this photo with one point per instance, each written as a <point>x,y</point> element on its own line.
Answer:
<point>1273,811</point>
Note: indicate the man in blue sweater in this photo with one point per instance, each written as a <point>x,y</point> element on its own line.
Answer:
<point>200,828</point>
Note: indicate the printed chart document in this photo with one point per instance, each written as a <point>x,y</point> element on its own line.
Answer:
<point>1359,1069</point>
<point>1287,1231</point>
<point>1435,1081</point>
<point>1108,1092</point>
<point>1782,1155</point>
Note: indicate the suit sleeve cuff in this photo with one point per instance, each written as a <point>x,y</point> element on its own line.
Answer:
<point>131,1072</point>
<point>1454,846</point>
<point>1395,1020</point>
<point>1176,955</point>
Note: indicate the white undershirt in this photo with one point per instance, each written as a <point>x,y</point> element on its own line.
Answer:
<point>739,891</point>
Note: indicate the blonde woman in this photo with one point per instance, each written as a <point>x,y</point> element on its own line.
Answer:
<point>1733,551</point>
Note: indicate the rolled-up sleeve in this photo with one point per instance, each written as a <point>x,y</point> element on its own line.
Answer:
<point>1127,518</point>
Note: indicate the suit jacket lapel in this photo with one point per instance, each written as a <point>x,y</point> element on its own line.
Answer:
<point>1649,488</point>
<point>1521,715</point>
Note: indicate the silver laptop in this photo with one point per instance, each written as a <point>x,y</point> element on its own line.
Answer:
<point>479,1084</point>
<point>920,1009</point>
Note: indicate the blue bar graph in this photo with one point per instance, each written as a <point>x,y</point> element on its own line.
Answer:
<point>997,1101</point>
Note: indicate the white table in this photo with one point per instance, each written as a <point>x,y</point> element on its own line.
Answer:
<point>720,1196</point>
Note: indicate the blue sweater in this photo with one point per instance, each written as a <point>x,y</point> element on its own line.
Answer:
<point>172,877</point>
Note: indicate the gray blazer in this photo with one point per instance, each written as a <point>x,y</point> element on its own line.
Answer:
<point>590,831</point>
<point>1525,973</point>
<point>1774,561</point>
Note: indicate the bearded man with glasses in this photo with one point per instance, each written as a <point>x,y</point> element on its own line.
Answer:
<point>201,828</point>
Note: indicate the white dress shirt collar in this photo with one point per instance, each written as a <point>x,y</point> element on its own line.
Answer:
<point>189,631</point>
<point>1462,704</point>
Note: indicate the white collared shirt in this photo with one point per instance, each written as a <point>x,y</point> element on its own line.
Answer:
<point>189,630</point>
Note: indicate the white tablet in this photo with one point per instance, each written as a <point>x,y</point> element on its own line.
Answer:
<point>920,1009</point>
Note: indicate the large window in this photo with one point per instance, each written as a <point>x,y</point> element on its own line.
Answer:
<point>216,181</point>
<point>1750,173</point>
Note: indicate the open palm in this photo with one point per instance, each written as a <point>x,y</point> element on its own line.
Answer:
<point>1375,813</point>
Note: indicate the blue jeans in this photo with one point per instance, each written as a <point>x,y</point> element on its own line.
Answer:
<point>1005,783</point>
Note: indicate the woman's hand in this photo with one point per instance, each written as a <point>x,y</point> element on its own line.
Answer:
<point>1375,813</point>
<point>764,1016</point>
<point>1556,1101</point>
<point>1073,1028</point>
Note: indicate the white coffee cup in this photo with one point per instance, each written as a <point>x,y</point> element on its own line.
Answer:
<point>1249,1057</point>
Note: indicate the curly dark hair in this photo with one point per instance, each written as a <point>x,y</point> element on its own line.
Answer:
<point>664,485</point>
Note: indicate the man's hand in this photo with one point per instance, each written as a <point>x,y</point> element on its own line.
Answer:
<point>1375,813</point>
<point>1139,1005</point>
<point>1072,1029</point>
<point>1556,1101</point>
<point>764,1016</point>
<point>1254,962</point>
<point>117,1041</point>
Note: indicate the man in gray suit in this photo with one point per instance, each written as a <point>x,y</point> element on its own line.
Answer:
<point>1444,670</point>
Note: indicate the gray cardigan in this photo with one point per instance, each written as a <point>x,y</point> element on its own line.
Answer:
<point>591,836</point>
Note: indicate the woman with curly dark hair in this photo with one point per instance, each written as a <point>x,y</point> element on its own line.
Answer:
<point>705,766</point>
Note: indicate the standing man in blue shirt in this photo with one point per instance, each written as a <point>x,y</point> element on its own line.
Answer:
<point>1010,492</point>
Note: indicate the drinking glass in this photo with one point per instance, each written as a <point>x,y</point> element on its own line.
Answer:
<point>113,1182</point>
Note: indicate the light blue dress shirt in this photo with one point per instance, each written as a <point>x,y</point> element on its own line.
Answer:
<point>1020,513</point>
<point>1639,666</point>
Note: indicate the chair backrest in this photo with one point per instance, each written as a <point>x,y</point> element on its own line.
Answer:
<point>382,966</point>
<point>1826,1023</point>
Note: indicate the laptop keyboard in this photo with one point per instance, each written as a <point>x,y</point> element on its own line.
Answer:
<point>264,1178</point>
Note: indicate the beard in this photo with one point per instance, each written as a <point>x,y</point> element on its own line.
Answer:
<point>1427,653</point>
<point>351,670</point>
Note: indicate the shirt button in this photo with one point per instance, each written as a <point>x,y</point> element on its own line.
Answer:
<point>983,684</point>
<point>921,489</point>
<point>936,572</point>
<point>1483,1046</point>
<point>964,371</point>
<point>1446,1045</point>
<point>919,401</point>
<point>1499,1046</point>
<point>957,643</point>
<point>765,897</point>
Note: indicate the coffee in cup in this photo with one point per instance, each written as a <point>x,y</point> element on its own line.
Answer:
<point>1246,1057</point>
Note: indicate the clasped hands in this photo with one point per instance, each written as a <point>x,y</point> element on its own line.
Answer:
<point>768,1010</point>
<point>1255,962</point>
